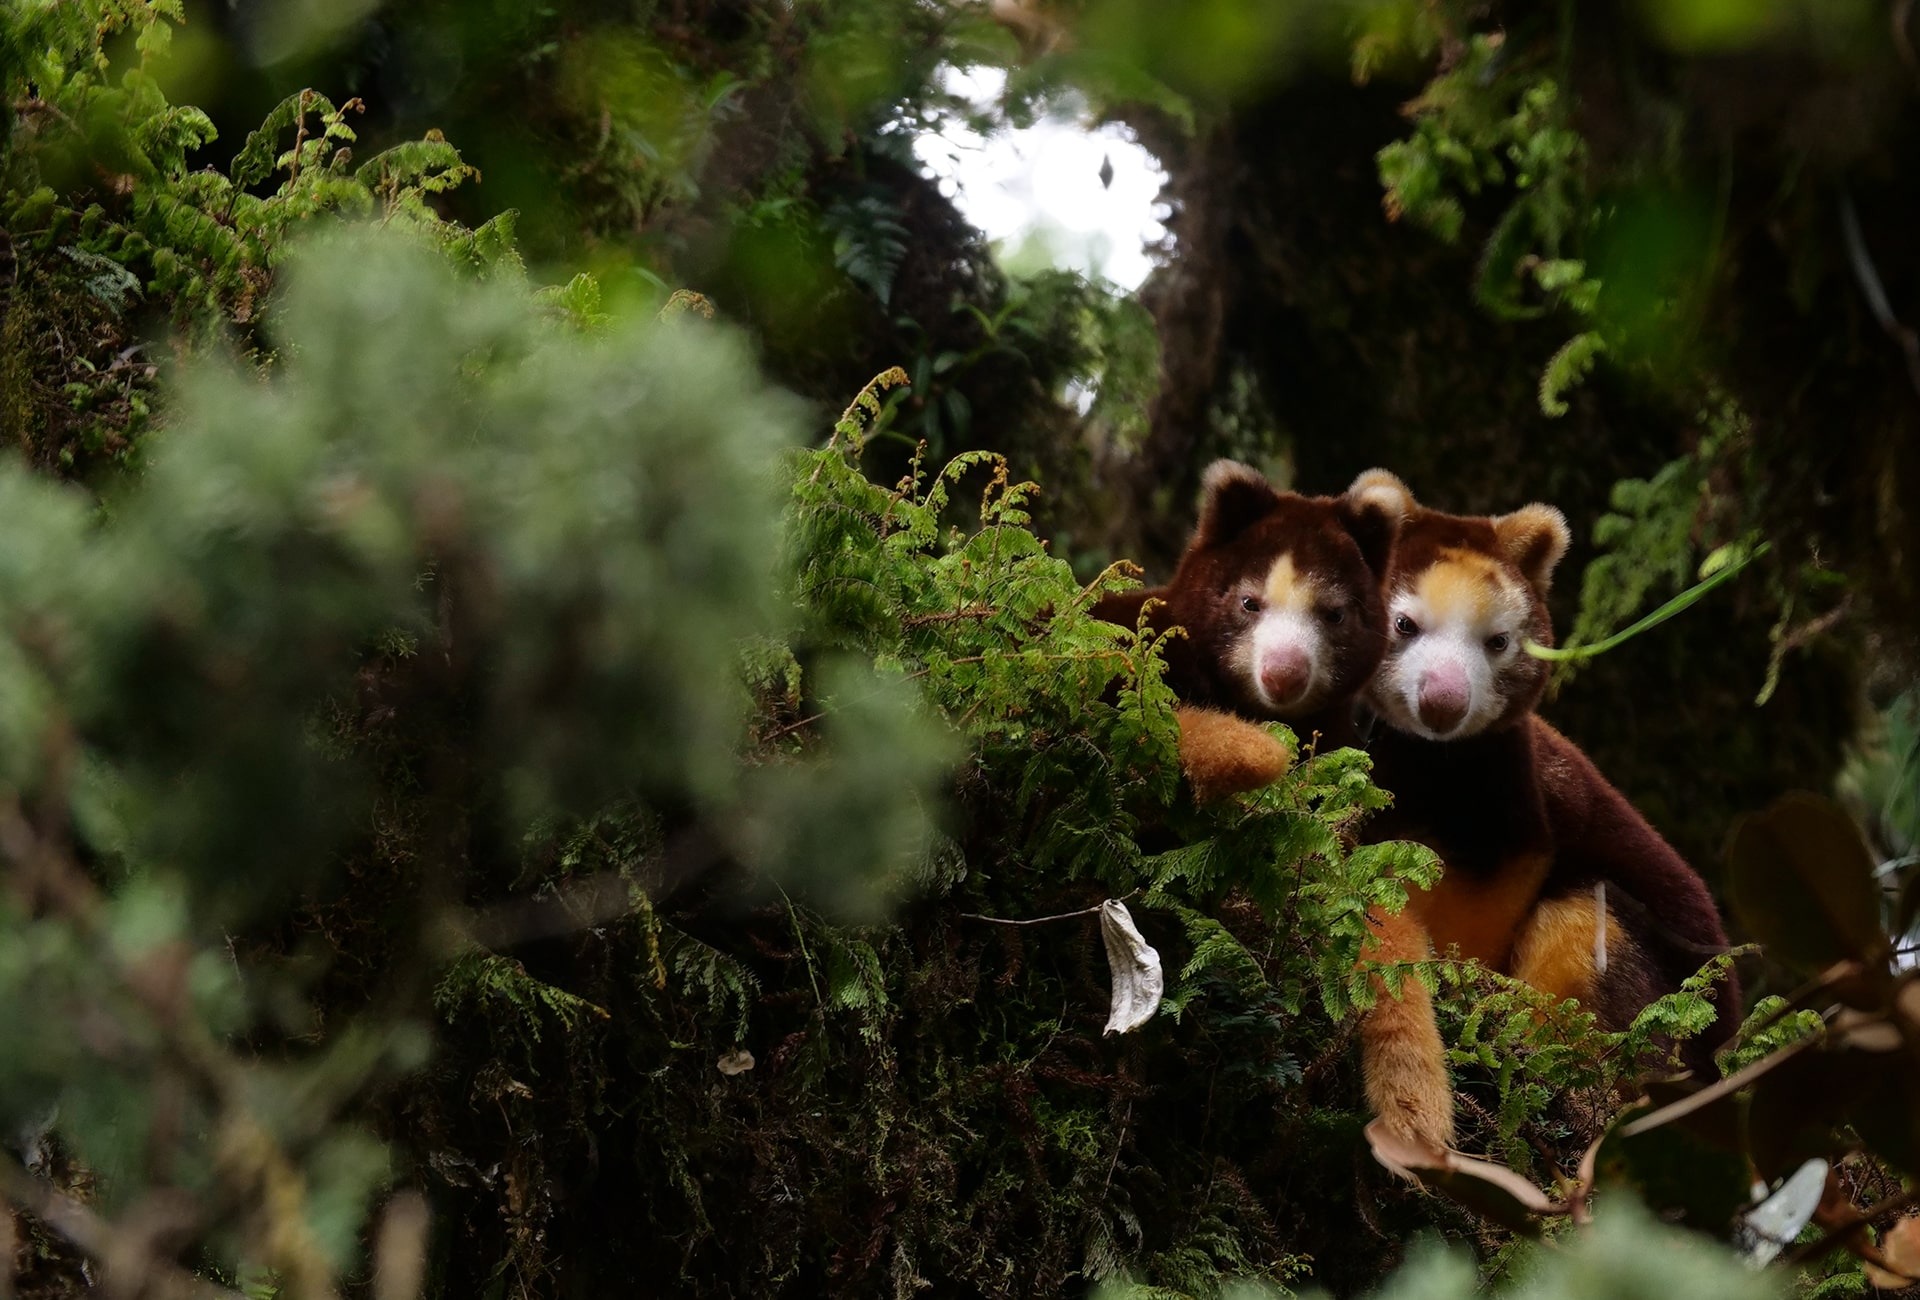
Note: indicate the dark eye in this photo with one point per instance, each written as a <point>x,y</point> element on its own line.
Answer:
<point>1250,603</point>
<point>1333,614</point>
<point>1405,626</point>
<point>1497,643</point>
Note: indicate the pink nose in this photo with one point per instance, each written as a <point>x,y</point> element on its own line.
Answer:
<point>1443,697</point>
<point>1284,675</point>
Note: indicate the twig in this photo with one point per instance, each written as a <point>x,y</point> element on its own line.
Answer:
<point>949,616</point>
<point>1037,920</point>
<point>778,732</point>
<point>800,935</point>
<point>1118,1143</point>
<point>1042,920</point>
<point>1813,627</point>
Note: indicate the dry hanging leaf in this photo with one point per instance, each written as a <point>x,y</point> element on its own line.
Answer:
<point>1494,1191</point>
<point>1900,1248</point>
<point>1864,1031</point>
<point>1773,1224</point>
<point>1134,968</point>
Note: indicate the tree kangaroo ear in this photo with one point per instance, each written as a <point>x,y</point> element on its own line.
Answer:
<point>1533,539</point>
<point>1233,498</point>
<point>1381,488</point>
<point>1373,527</point>
<point>1373,509</point>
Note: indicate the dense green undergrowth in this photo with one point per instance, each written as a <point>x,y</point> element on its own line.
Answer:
<point>405,693</point>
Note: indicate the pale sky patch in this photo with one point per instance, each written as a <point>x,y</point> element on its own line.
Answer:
<point>1036,192</point>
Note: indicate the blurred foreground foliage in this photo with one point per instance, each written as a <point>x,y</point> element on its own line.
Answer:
<point>363,621</point>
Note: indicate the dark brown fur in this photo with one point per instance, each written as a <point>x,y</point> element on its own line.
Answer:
<point>1526,793</point>
<point>1245,527</point>
<point>1526,826</point>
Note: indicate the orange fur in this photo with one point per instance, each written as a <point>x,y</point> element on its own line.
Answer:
<point>1287,588</point>
<point>1466,583</point>
<point>1225,755</point>
<point>1557,951</point>
<point>1400,1049</point>
<point>1461,580</point>
<point>1401,1053</point>
<point>1482,917</point>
